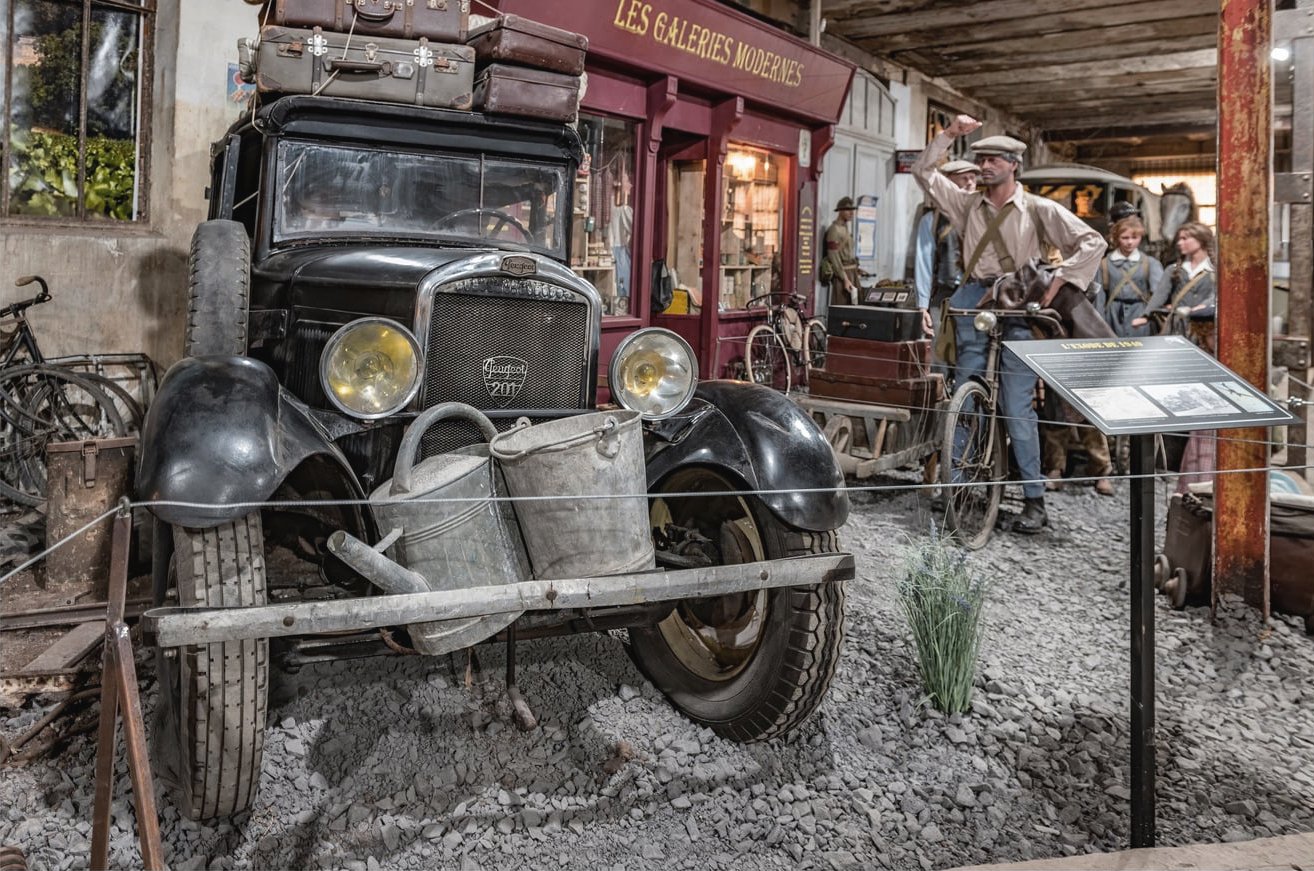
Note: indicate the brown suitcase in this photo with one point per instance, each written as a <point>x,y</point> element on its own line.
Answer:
<point>294,61</point>
<point>506,90</point>
<point>913,394</point>
<point>890,361</point>
<point>515,40</point>
<point>439,20</point>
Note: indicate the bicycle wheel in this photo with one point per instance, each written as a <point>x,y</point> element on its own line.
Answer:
<point>972,466</point>
<point>55,405</point>
<point>766,359</point>
<point>815,342</point>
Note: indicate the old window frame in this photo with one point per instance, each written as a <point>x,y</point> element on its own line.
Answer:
<point>146,11</point>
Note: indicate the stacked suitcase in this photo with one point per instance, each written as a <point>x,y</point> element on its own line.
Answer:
<point>527,69</point>
<point>398,51</point>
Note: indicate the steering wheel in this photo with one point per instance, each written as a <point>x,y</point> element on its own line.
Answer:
<point>503,220</point>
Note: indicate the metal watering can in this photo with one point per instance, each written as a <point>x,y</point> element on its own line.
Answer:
<point>440,520</point>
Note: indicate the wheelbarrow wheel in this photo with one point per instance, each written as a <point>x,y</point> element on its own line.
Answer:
<point>1176,588</point>
<point>216,695</point>
<point>751,666</point>
<point>1163,569</point>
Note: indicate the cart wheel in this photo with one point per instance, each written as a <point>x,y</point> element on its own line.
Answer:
<point>1163,567</point>
<point>839,432</point>
<point>1175,589</point>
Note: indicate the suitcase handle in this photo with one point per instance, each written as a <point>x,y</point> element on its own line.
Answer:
<point>374,14</point>
<point>342,65</point>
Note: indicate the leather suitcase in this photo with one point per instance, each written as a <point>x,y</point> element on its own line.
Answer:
<point>874,323</point>
<point>507,90</point>
<point>891,361</point>
<point>295,61</point>
<point>515,40</point>
<point>439,20</point>
<point>913,394</point>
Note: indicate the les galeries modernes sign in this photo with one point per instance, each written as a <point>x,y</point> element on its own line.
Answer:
<point>706,44</point>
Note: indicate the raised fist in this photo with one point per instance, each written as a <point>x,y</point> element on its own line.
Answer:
<point>961,125</point>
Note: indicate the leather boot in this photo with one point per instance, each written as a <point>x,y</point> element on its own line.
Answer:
<point>1033,517</point>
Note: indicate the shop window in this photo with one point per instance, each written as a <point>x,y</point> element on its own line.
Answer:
<point>602,231</point>
<point>939,117</point>
<point>751,212</point>
<point>75,140</point>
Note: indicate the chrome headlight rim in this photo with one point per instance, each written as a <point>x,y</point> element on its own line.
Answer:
<point>985,321</point>
<point>345,330</point>
<point>618,356</point>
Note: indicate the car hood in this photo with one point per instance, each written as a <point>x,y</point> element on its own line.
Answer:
<point>360,266</point>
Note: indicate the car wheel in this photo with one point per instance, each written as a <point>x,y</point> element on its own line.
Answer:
<point>218,282</point>
<point>749,666</point>
<point>215,696</point>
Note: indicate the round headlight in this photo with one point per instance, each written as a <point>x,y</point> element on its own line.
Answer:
<point>371,368</point>
<point>654,373</point>
<point>985,321</point>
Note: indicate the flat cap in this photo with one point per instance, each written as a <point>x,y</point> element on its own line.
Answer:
<point>954,167</point>
<point>1004,145</point>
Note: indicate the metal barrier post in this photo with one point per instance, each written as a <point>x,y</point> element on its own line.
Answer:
<point>1142,641</point>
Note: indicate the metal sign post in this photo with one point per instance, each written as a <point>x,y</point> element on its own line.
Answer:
<point>1140,387</point>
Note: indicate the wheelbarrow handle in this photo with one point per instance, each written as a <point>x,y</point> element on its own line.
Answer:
<point>410,443</point>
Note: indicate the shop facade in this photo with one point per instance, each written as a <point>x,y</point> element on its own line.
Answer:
<point>704,130</point>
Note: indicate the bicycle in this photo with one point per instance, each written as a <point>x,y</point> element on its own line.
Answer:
<point>974,439</point>
<point>42,403</point>
<point>784,337</point>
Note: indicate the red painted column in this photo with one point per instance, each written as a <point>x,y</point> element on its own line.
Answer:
<point>1245,126</point>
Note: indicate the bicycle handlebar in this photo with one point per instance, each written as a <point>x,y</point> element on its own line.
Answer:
<point>22,305</point>
<point>1047,314</point>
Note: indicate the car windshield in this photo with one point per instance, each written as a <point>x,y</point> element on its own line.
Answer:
<point>338,190</point>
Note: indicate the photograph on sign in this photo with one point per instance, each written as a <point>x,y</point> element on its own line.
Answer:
<point>1119,403</point>
<point>1155,384</point>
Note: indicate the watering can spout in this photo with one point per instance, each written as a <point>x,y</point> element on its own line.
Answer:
<point>374,566</point>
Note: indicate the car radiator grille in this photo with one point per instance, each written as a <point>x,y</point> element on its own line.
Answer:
<point>471,333</point>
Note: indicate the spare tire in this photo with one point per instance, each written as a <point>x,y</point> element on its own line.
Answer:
<point>218,285</point>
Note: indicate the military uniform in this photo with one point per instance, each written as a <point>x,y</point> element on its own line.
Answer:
<point>839,257</point>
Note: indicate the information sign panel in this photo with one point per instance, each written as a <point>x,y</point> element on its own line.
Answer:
<point>1154,384</point>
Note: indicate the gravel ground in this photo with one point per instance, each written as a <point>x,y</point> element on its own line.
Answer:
<point>393,763</point>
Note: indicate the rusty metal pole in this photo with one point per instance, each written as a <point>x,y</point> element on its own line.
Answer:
<point>1245,129</point>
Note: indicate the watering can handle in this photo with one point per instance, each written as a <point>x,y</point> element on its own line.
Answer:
<point>606,428</point>
<point>410,443</point>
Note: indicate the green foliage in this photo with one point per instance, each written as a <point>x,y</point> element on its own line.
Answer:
<point>942,600</point>
<point>43,175</point>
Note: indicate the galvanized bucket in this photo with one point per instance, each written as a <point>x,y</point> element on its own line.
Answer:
<point>591,465</point>
<point>472,541</point>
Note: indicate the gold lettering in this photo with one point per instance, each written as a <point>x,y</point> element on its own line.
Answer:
<point>659,29</point>
<point>704,39</point>
<point>728,47</point>
<point>742,55</point>
<point>632,16</point>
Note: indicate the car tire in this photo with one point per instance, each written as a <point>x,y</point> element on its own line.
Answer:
<point>215,696</point>
<point>784,676</point>
<point>218,286</point>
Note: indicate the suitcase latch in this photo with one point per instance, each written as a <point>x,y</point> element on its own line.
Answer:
<point>424,55</point>
<point>89,452</point>
<point>371,51</point>
<point>318,43</point>
<point>440,5</point>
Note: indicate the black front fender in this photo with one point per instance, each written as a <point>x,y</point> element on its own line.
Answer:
<point>222,433</point>
<point>762,438</point>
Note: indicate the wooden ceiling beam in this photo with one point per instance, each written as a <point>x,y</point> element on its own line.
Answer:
<point>948,23</point>
<point>1163,62</point>
<point>1116,119</point>
<point>1135,110</point>
<point>1205,132</point>
<point>1103,36</point>
<point>1040,53</point>
<point>1133,86</point>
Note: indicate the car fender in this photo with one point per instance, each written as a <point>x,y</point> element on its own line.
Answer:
<point>761,438</point>
<point>221,434</point>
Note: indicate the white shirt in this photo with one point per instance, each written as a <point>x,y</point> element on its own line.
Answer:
<point>1119,257</point>
<point>1194,269</point>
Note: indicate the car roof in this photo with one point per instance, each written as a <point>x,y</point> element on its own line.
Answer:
<point>1073,172</point>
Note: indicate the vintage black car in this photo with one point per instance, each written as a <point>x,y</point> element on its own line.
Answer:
<point>430,244</point>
